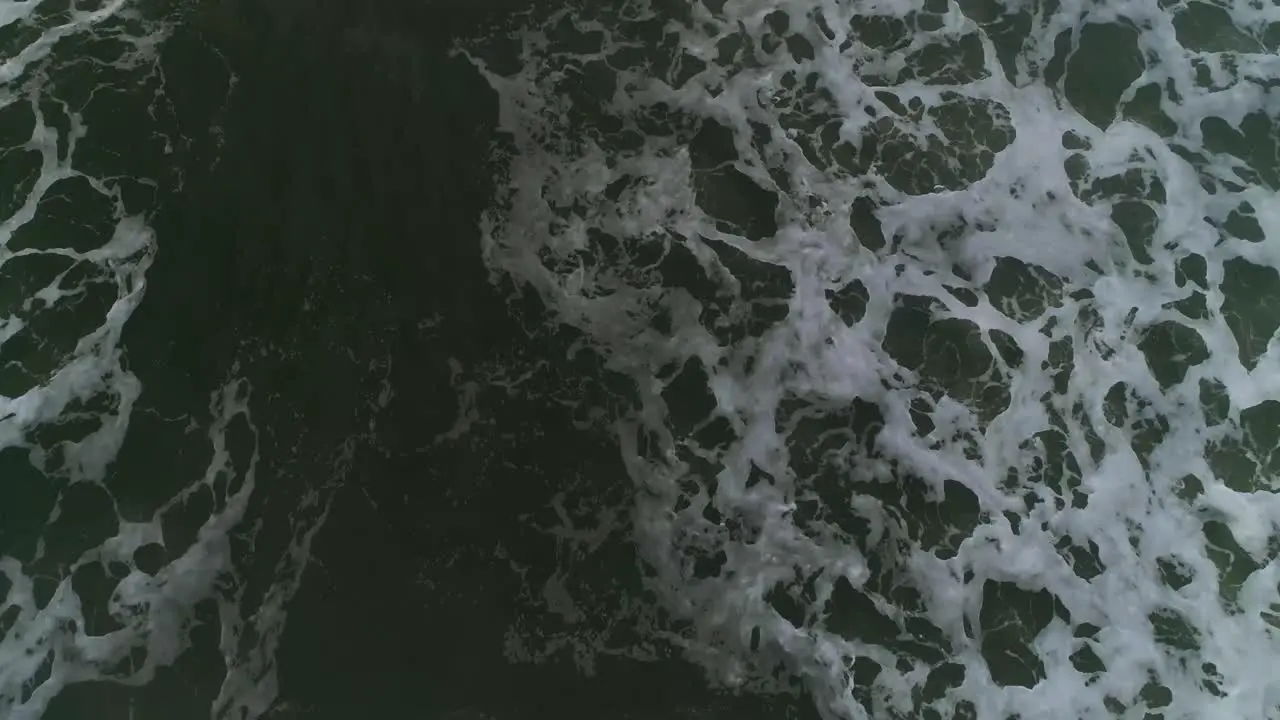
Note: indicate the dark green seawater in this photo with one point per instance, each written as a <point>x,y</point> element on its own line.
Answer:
<point>280,441</point>
<point>317,239</point>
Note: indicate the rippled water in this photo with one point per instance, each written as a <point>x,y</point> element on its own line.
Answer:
<point>858,359</point>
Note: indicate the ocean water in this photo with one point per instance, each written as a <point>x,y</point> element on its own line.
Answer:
<point>649,359</point>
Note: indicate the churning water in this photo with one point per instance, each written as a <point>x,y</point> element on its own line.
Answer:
<point>953,329</point>
<point>948,332</point>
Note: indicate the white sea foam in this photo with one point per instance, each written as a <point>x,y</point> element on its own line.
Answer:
<point>993,385</point>
<point>77,395</point>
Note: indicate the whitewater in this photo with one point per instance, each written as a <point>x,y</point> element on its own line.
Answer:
<point>953,332</point>
<point>949,331</point>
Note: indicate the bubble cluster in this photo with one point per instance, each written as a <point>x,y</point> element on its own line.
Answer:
<point>953,328</point>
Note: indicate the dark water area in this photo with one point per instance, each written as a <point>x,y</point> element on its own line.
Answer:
<point>324,247</point>
<point>647,359</point>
